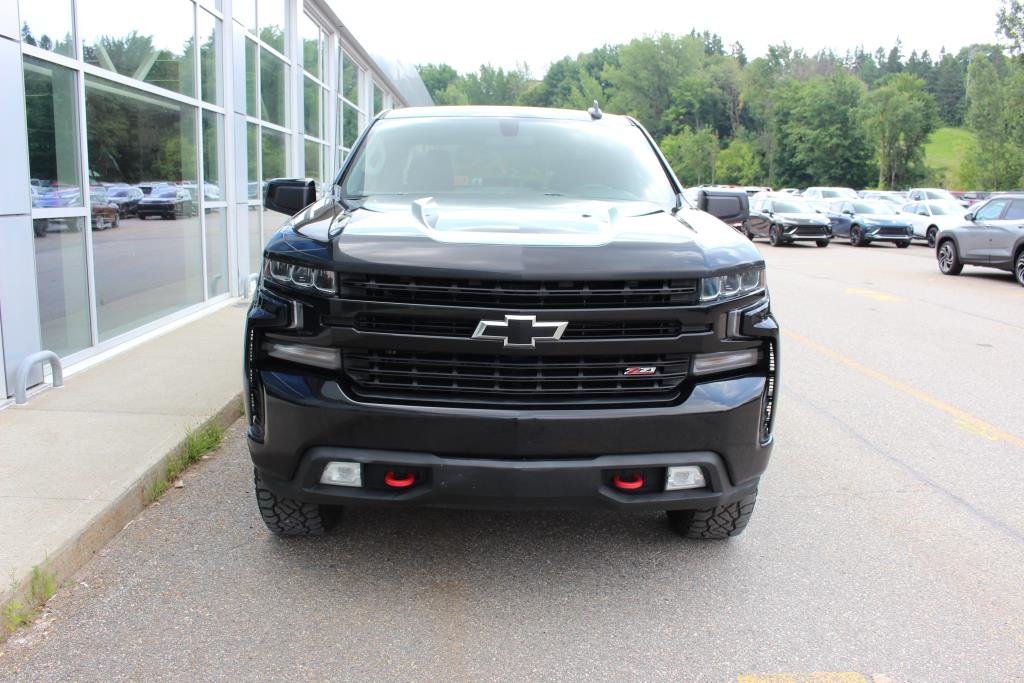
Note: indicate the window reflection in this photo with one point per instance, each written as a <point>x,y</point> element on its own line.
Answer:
<point>215,228</point>
<point>378,99</point>
<point>51,116</point>
<point>312,107</point>
<point>350,125</point>
<point>156,45</point>
<point>312,47</point>
<point>47,24</point>
<point>251,93</point>
<point>349,74</point>
<point>151,265</point>
<point>273,88</point>
<point>62,285</point>
<point>314,168</point>
<point>209,57</point>
<point>271,15</point>
<point>213,157</point>
<point>274,148</point>
<point>252,146</point>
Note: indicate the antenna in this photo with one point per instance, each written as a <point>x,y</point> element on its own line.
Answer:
<point>595,111</point>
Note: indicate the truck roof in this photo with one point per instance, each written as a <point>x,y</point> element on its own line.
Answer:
<point>502,112</point>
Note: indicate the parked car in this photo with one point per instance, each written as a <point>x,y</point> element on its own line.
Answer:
<point>865,221</point>
<point>927,218</point>
<point>103,212</point>
<point>148,186</point>
<point>821,197</point>
<point>786,219</point>
<point>166,201</point>
<point>897,198</point>
<point>57,197</point>
<point>992,236</point>
<point>975,196</point>
<point>922,194</point>
<point>126,197</point>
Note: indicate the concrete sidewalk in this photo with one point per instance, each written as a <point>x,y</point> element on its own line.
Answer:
<point>75,461</point>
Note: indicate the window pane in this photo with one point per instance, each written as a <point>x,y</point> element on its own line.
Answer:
<point>251,94</point>
<point>312,107</point>
<point>274,149</point>
<point>272,87</point>
<point>378,99</point>
<point>62,284</point>
<point>244,12</point>
<point>157,49</point>
<point>47,24</point>
<point>313,161</point>
<point>272,23</point>
<point>215,227</point>
<point>252,147</point>
<point>209,57</point>
<point>51,115</point>
<point>255,239</point>
<point>152,264</point>
<point>312,47</point>
<point>349,72</point>
<point>350,126</point>
<point>213,157</point>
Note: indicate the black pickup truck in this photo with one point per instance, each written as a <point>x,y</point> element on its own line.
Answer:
<point>509,308</point>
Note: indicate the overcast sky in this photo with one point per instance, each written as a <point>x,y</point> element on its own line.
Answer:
<point>538,32</point>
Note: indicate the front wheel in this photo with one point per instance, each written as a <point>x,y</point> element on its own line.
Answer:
<point>1018,268</point>
<point>930,235</point>
<point>719,522</point>
<point>774,238</point>
<point>856,238</point>
<point>289,517</point>
<point>903,245</point>
<point>822,243</point>
<point>949,259</point>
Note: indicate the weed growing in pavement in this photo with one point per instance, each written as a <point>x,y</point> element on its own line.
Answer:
<point>197,443</point>
<point>42,585</point>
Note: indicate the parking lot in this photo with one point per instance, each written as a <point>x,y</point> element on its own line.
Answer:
<point>888,538</point>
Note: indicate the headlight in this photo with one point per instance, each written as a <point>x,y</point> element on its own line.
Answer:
<point>732,286</point>
<point>302,277</point>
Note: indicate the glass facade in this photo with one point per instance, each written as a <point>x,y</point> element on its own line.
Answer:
<point>147,171</point>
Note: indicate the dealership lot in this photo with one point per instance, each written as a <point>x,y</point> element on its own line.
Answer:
<point>888,537</point>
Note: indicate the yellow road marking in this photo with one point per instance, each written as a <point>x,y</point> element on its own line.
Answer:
<point>816,677</point>
<point>872,294</point>
<point>962,419</point>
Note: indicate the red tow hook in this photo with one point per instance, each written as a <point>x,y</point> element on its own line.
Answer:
<point>397,482</point>
<point>637,481</point>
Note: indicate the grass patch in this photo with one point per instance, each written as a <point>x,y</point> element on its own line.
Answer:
<point>42,585</point>
<point>945,149</point>
<point>197,443</point>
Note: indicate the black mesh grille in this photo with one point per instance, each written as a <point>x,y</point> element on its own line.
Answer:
<point>586,329</point>
<point>516,294</point>
<point>476,379</point>
<point>811,230</point>
<point>892,232</point>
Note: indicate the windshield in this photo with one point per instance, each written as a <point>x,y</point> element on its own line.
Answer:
<point>879,207</point>
<point>481,156</point>
<point>165,192</point>
<point>836,193</point>
<point>793,207</point>
<point>938,194</point>
<point>118,192</point>
<point>946,209</point>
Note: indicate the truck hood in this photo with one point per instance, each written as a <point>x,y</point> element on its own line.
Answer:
<point>545,237</point>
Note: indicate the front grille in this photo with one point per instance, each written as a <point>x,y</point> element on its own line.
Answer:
<point>462,327</point>
<point>892,232</point>
<point>804,230</point>
<point>515,294</point>
<point>506,380</point>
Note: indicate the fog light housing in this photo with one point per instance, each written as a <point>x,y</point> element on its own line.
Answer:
<point>318,356</point>
<point>340,473</point>
<point>707,363</point>
<point>686,477</point>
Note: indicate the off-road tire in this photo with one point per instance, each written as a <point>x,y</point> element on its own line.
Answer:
<point>720,522</point>
<point>289,517</point>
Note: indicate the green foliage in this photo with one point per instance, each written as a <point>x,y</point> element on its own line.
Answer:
<point>943,154</point>
<point>198,442</point>
<point>899,116</point>
<point>994,160</point>
<point>738,164</point>
<point>692,155</point>
<point>42,586</point>
<point>1010,24</point>
<point>486,86</point>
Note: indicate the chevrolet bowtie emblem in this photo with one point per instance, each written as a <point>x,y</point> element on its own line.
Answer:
<point>520,330</point>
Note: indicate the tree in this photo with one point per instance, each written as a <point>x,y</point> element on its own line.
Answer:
<point>738,164</point>
<point>992,163</point>
<point>900,116</point>
<point>437,77</point>
<point>1010,24</point>
<point>692,155</point>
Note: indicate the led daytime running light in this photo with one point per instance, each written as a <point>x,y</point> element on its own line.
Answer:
<point>303,277</point>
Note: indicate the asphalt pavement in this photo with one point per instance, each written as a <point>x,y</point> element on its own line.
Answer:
<point>887,543</point>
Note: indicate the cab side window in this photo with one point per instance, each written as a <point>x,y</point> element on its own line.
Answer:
<point>992,210</point>
<point>1016,211</point>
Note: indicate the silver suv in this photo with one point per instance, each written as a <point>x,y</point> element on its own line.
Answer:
<point>992,236</point>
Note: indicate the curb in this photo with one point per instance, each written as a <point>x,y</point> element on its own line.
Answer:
<point>101,528</point>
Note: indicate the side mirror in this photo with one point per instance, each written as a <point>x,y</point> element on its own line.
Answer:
<point>969,217</point>
<point>728,206</point>
<point>847,213</point>
<point>289,195</point>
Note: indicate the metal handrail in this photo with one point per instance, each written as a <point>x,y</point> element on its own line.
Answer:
<point>26,365</point>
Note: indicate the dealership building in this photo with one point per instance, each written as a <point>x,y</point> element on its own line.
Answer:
<point>137,139</point>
